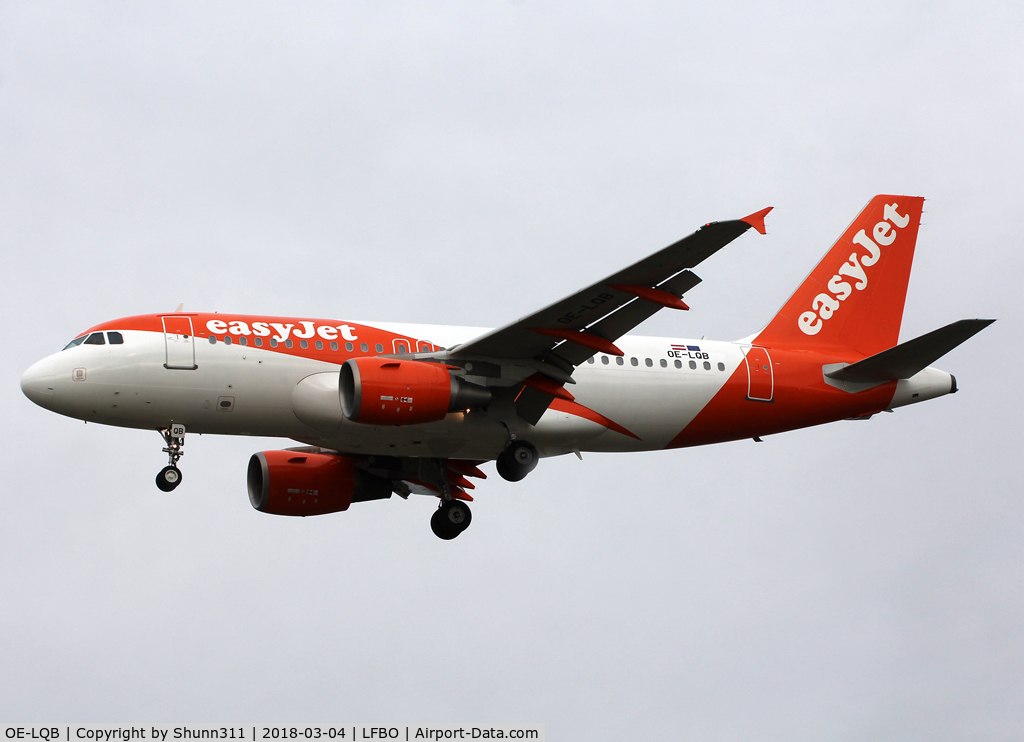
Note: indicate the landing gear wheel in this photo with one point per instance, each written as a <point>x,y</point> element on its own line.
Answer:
<point>451,519</point>
<point>442,528</point>
<point>458,513</point>
<point>168,478</point>
<point>504,471</point>
<point>517,460</point>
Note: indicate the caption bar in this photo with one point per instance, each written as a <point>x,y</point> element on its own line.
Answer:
<point>261,732</point>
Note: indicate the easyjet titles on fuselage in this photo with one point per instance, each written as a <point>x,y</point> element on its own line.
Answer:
<point>303,331</point>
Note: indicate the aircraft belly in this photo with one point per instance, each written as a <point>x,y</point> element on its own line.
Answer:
<point>458,435</point>
<point>558,433</point>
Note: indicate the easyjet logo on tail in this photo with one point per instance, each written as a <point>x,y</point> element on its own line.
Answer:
<point>825,305</point>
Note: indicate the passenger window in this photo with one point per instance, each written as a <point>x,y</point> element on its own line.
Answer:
<point>288,343</point>
<point>693,364</point>
<point>664,363</point>
<point>303,344</point>
<point>648,362</point>
<point>348,346</point>
<point>401,348</point>
<point>604,360</point>
<point>319,345</point>
<point>380,348</point>
<point>590,360</point>
<point>707,365</point>
<point>243,341</point>
<point>425,348</point>
<point>213,339</point>
<point>334,345</point>
<point>95,339</point>
<point>76,341</point>
<point>618,360</point>
<point>227,340</point>
<point>115,338</point>
<point>633,361</point>
<point>364,347</point>
<point>258,342</point>
<point>273,342</point>
<point>679,364</point>
<point>721,367</point>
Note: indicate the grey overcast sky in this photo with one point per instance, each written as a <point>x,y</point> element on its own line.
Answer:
<point>465,163</point>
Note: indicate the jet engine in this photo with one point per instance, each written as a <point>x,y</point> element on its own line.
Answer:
<point>303,483</point>
<point>385,391</point>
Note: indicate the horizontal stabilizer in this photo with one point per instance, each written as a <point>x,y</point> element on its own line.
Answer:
<point>906,359</point>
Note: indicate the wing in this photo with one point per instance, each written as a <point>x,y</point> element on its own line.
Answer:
<point>535,356</point>
<point>593,318</point>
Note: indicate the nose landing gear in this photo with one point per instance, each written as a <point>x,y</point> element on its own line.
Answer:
<point>170,476</point>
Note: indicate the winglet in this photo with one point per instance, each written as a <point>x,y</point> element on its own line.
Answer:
<point>756,220</point>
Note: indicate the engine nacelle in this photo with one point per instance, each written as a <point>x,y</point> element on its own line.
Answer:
<point>386,391</point>
<point>300,483</point>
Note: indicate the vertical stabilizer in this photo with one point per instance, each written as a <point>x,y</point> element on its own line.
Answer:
<point>854,297</point>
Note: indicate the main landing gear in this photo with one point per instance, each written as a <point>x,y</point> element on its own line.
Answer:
<point>517,460</point>
<point>170,476</point>
<point>452,516</point>
<point>450,519</point>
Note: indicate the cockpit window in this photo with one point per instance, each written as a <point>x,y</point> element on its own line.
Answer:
<point>76,341</point>
<point>115,338</point>
<point>95,339</point>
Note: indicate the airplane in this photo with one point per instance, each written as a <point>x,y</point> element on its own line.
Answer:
<point>404,409</point>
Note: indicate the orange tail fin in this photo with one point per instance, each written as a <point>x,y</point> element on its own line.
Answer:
<point>854,297</point>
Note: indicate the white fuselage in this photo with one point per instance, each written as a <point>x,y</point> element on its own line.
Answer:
<point>235,390</point>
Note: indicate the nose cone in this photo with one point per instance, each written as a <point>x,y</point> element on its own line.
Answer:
<point>38,383</point>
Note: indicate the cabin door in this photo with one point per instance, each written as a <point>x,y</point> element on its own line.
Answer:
<point>181,352</point>
<point>760,376</point>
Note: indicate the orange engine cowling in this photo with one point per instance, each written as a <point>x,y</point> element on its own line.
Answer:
<point>386,391</point>
<point>301,483</point>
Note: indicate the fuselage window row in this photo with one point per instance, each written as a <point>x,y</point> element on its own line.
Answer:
<point>258,342</point>
<point>634,361</point>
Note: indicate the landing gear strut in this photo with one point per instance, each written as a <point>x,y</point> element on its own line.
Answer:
<point>517,460</point>
<point>170,476</point>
